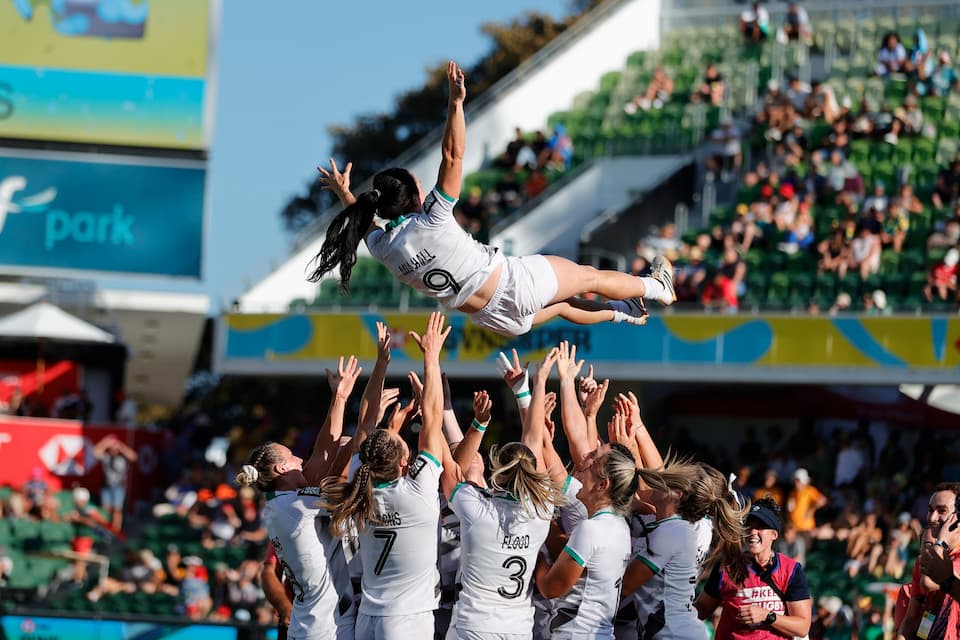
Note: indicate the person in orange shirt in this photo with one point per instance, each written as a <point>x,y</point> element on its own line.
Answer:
<point>803,502</point>
<point>770,489</point>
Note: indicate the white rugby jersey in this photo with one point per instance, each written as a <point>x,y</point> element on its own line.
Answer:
<point>312,560</point>
<point>671,548</point>
<point>601,545</point>
<point>499,545</point>
<point>448,538</point>
<point>399,555</point>
<point>432,253</point>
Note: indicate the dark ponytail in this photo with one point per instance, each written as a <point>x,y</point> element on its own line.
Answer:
<point>395,192</point>
<point>343,237</point>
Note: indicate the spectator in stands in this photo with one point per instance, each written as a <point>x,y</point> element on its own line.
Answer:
<point>796,23</point>
<point>946,236</point>
<point>665,242</point>
<point>471,212</point>
<point>947,186</point>
<point>509,191</point>
<point>914,123</point>
<point>896,224</point>
<point>942,280</point>
<point>508,159</point>
<point>657,94</point>
<point>559,151</point>
<point>898,548</point>
<point>734,269</point>
<point>800,236</point>
<point>792,545</point>
<point>770,490</point>
<point>878,201</point>
<point>865,252</point>
<point>821,103</point>
<point>798,92</point>
<point>195,600</point>
<point>726,155</point>
<point>74,405</point>
<point>850,465</point>
<point>712,90</point>
<point>804,502</point>
<point>920,61</point>
<point>115,457</point>
<point>943,79</point>
<point>535,184</point>
<point>892,55</point>
<point>908,200</point>
<point>772,109</point>
<point>689,277</point>
<point>755,23</point>
<point>720,294</point>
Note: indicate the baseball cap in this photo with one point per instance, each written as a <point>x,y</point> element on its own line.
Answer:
<point>801,474</point>
<point>765,515</point>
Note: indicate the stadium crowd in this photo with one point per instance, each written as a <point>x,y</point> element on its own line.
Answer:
<point>854,504</point>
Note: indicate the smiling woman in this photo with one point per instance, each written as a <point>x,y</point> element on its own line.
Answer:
<point>772,600</point>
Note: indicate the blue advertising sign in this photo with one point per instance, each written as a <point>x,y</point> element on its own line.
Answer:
<point>83,213</point>
<point>34,628</point>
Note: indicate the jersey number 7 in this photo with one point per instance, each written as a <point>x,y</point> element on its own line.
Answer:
<point>389,537</point>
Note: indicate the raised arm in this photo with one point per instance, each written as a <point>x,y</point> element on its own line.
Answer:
<point>328,439</point>
<point>591,397</point>
<point>451,426</point>
<point>431,408</point>
<point>533,426</point>
<point>650,456</point>
<point>552,460</point>
<point>371,409</point>
<point>337,183</point>
<point>517,379</point>
<point>454,464</point>
<point>454,140</point>
<point>574,421</point>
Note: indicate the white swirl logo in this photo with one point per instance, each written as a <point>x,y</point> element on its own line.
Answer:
<point>11,185</point>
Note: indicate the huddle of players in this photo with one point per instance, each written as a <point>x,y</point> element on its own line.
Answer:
<point>528,550</point>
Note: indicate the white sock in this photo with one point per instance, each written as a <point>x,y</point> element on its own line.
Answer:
<point>654,288</point>
<point>619,316</point>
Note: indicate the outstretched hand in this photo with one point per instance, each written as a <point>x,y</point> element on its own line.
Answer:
<point>383,343</point>
<point>431,342</point>
<point>620,433</point>
<point>482,405</point>
<point>567,365</point>
<point>335,181</point>
<point>512,372</point>
<point>456,80</point>
<point>341,382</point>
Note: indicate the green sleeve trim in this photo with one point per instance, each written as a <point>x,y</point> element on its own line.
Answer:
<point>566,483</point>
<point>656,570</point>
<point>443,195</point>
<point>453,494</point>
<point>431,458</point>
<point>576,558</point>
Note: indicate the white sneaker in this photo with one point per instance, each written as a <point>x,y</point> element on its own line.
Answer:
<point>631,311</point>
<point>662,270</point>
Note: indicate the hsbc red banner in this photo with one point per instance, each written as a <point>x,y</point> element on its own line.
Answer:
<point>61,452</point>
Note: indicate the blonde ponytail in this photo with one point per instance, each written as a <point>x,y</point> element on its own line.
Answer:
<point>515,473</point>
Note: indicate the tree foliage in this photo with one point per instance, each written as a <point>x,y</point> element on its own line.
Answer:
<point>373,140</point>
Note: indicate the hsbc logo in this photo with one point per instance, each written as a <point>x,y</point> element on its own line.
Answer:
<point>67,455</point>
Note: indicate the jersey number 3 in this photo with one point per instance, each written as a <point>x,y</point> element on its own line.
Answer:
<point>388,537</point>
<point>520,566</point>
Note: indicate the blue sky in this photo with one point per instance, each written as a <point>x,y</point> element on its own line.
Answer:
<point>284,76</point>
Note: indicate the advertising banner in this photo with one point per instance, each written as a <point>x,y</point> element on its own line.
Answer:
<point>17,627</point>
<point>747,348</point>
<point>61,452</point>
<point>83,213</point>
<point>125,72</point>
